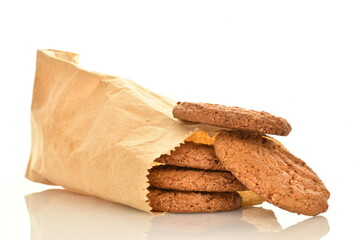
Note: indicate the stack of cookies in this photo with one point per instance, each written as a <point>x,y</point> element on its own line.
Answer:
<point>206,178</point>
<point>193,180</point>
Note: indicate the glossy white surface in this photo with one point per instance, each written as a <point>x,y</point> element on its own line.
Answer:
<point>39,212</point>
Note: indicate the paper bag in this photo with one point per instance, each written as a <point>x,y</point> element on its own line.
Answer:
<point>98,134</point>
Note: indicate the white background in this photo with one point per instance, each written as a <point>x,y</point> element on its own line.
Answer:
<point>295,59</point>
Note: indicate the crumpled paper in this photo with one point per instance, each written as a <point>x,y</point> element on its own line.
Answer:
<point>97,134</point>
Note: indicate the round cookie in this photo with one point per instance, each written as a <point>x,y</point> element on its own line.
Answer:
<point>270,170</point>
<point>192,202</point>
<point>232,117</point>
<point>192,155</point>
<point>187,179</point>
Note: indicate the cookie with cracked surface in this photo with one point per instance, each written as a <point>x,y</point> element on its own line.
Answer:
<point>267,168</point>
<point>232,117</point>
<point>192,155</point>
<point>192,202</point>
<point>188,179</point>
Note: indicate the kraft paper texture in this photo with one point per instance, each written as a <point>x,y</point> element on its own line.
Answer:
<point>97,134</point>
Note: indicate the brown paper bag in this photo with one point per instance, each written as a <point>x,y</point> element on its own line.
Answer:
<point>97,134</point>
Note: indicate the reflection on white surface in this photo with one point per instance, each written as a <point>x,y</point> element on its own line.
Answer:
<point>58,214</point>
